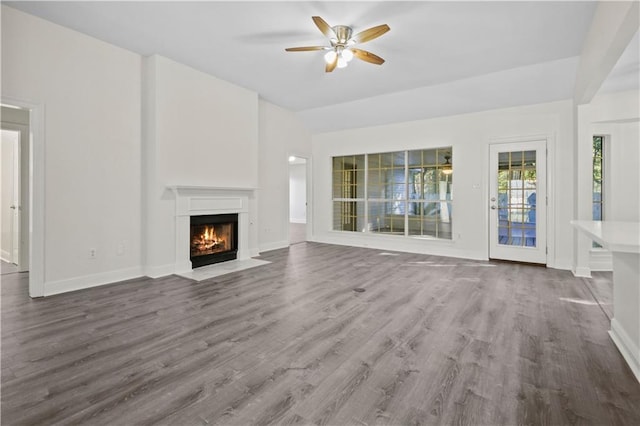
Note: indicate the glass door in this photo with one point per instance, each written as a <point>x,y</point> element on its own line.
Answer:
<point>517,202</point>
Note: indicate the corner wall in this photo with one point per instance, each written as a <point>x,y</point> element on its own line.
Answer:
<point>281,135</point>
<point>118,130</point>
<point>91,94</point>
<point>197,131</point>
<point>616,116</point>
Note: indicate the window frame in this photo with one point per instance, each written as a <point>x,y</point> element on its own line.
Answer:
<point>368,197</point>
<point>603,181</point>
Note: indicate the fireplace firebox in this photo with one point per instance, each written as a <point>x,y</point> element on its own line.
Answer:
<point>213,239</point>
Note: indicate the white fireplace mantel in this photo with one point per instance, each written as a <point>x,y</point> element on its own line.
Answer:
<point>205,200</point>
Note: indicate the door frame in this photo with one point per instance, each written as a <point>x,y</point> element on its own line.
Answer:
<point>550,139</point>
<point>308,195</point>
<point>36,191</point>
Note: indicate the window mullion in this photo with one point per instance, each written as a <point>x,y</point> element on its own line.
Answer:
<point>366,193</point>
<point>406,193</point>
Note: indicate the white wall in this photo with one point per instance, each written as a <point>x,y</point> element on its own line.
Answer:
<point>625,173</point>
<point>298,193</point>
<point>617,116</point>
<point>469,135</point>
<point>91,95</point>
<point>281,135</point>
<point>119,129</point>
<point>198,130</point>
<point>622,171</point>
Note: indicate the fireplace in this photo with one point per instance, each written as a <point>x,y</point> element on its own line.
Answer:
<point>213,239</point>
<point>197,201</point>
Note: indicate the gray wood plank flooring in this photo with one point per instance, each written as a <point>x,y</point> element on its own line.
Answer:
<point>297,232</point>
<point>432,340</point>
<point>8,268</point>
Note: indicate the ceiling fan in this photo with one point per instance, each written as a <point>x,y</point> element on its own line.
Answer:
<point>342,48</point>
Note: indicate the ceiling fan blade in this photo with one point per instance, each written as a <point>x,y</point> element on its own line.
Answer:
<point>323,26</point>
<point>305,48</point>
<point>332,65</point>
<point>370,34</point>
<point>367,56</point>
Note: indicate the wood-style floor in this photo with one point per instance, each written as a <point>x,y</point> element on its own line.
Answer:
<point>432,340</point>
<point>297,233</point>
<point>7,268</point>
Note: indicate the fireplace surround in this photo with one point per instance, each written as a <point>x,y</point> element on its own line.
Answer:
<point>195,201</point>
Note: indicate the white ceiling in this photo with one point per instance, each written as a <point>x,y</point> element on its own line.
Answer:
<point>442,58</point>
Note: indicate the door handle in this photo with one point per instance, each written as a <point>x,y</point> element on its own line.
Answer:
<point>493,207</point>
<point>12,207</point>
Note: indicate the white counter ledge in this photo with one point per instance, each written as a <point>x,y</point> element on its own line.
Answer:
<point>614,236</point>
<point>623,240</point>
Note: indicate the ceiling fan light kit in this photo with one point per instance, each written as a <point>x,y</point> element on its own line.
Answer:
<point>341,50</point>
<point>447,167</point>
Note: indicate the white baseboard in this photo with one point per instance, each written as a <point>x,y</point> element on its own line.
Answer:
<point>88,281</point>
<point>600,261</point>
<point>160,271</point>
<point>431,247</point>
<point>273,246</point>
<point>561,266</point>
<point>630,351</point>
<point>292,220</point>
<point>582,271</point>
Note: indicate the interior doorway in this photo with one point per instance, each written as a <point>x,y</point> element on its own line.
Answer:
<point>9,216</point>
<point>14,216</point>
<point>297,199</point>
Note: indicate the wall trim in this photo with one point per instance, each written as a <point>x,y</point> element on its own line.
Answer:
<point>432,247</point>
<point>273,246</point>
<point>159,271</point>
<point>93,280</point>
<point>629,351</point>
<point>600,260</point>
<point>560,266</point>
<point>581,272</point>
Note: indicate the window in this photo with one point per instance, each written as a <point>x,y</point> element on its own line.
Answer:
<point>386,192</point>
<point>598,171</point>
<point>430,179</point>
<point>396,193</point>
<point>598,175</point>
<point>348,193</point>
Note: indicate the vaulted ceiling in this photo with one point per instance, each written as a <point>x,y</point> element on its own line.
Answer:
<point>442,58</point>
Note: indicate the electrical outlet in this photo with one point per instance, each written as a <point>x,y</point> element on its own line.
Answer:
<point>92,253</point>
<point>120,249</point>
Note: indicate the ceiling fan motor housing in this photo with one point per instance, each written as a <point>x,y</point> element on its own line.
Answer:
<point>343,34</point>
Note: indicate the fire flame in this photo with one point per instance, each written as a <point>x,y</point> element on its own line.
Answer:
<point>209,235</point>
<point>208,238</point>
<point>207,242</point>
